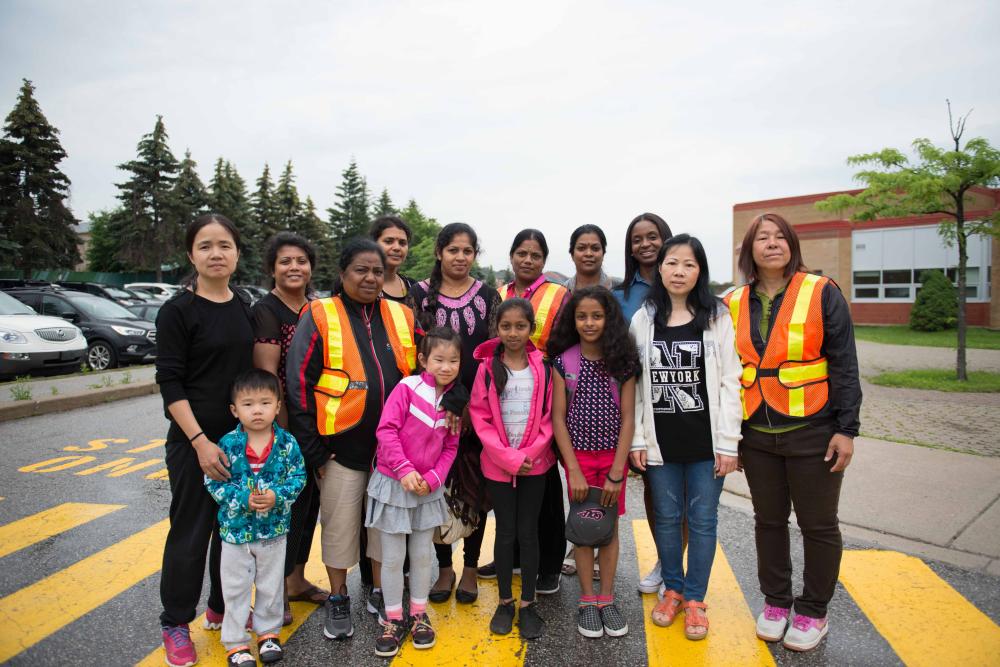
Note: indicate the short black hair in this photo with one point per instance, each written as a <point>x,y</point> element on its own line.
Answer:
<point>255,379</point>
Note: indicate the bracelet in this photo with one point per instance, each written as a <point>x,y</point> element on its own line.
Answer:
<point>196,436</point>
<point>613,480</point>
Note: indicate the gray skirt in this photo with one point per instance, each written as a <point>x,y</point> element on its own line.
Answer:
<point>394,510</point>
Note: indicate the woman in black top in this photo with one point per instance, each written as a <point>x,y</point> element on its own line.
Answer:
<point>394,235</point>
<point>205,339</point>
<point>291,259</point>
<point>452,297</point>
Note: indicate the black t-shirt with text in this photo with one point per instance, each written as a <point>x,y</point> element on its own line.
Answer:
<point>680,400</point>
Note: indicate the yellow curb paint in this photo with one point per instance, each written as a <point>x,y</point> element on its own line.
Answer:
<point>732,638</point>
<point>207,642</point>
<point>463,630</point>
<point>925,621</point>
<point>33,613</point>
<point>43,525</point>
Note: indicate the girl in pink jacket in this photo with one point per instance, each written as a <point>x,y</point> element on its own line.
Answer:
<point>406,491</point>
<point>511,410</point>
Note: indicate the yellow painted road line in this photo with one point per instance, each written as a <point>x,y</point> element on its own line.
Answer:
<point>732,638</point>
<point>463,630</point>
<point>36,611</point>
<point>207,642</point>
<point>926,621</point>
<point>43,525</point>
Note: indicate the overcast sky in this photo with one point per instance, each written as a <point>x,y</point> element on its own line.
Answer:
<point>515,114</point>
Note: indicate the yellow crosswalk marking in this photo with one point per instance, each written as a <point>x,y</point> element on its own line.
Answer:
<point>731,640</point>
<point>43,525</point>
<point>36,611</point>
<point>926,621</point>
<point>207,643</point>
<point>463,632</point>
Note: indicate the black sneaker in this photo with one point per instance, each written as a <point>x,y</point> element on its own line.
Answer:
<point>615,624</point>
<point>529,623</point>
<point>393,634</point>
<point>547,584</point>
<point>269,649</point>
<point>338,623</point>
<point>589,621</point>
<point>489,571</point>
<point>503,619</point>
<point>375,604</point>
<point>241,657</point>
<point>422,632</point>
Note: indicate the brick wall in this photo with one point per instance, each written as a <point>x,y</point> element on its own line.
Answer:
<point>978,314</point>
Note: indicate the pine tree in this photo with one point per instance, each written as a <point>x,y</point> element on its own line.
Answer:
<point>349,215</point>
<point>190,195</point>
<point>383,205</point>
<point>262,203</point>
<point>315,229</point>
<point>36,226</point>
<point>287,205</point>
<point>228,196</point>
<point>104,246</point>
<point>151,228</point>
<point>420,260</point>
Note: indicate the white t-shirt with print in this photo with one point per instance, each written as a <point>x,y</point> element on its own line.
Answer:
<point>515,404</point>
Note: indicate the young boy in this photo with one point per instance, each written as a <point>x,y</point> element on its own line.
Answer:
<point>255,504</point>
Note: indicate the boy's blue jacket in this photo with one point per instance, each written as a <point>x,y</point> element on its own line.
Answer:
<point>283,472</point>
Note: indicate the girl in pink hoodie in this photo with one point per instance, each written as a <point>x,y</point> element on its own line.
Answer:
<point>406,492</point>
<point>511,409</point>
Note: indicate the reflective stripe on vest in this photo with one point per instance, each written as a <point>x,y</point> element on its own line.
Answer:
<point>792,377</point>
<point>342,388</point>
<point>545,301</point>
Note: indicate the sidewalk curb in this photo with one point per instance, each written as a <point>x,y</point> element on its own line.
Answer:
<point>43,406</point>
<point>879,539</point>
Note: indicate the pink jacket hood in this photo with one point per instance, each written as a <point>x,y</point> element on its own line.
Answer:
<point>500,460</point>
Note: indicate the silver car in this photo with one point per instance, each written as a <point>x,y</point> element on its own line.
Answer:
<point>32,342</point>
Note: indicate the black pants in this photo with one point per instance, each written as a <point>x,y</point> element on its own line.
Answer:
<point>305,511</point>
<point>785,470</point>
<point>472,547</point>
<point>192,528</point>
<point>516,509</point>
<point>551,526</point>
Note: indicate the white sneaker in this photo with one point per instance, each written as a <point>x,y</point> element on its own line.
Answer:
<point>660,593</point>
<point>806,633</point>
<point>772,622</point>
<point>651,582</point>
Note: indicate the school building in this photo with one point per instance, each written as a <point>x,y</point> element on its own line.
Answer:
<point>878,264</point>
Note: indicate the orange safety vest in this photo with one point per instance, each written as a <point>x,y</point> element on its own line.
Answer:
<point>342,388</point>
<point>792,377</point>
<point>545,301</point>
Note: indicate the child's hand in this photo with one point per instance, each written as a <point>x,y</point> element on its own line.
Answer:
<point>578,486</point>
<point>412,482</point>
<point>609,494</point>
<point>425,488</point>
<point>263,501</point>
<point>525,468</point>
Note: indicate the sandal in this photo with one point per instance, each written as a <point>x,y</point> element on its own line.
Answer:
<point>695,620</point>
<point>313,594</point>
<point>665,611</point>
<point>442,594</point>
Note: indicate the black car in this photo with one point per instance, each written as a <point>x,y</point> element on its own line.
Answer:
<point>116,294</point>
<point>114,335</point>
<point>146,311</point>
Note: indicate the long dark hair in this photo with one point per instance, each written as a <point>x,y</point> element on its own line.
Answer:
<point>588,229</point>
<point>746,264</point>
<point>385,222</point>
<point>352,249</point>
<point>500,372</point>
<point>191,233</point>
<point>621,360</point>
<point>700,301</point>
<point>282,239</point>
<point>631,263</point>
<point>530,235</point>
<point>444,237</point>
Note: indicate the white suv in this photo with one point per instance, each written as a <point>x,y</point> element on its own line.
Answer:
<point>32,342</point>
<point>161,291</point>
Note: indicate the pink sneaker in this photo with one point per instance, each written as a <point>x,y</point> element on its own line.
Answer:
<point>213,620</point>
<point>806,633</point>
<point>177,644</point>
<point>772,622</point>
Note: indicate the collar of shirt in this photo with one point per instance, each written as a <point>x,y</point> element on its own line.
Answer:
<point>530,289</point>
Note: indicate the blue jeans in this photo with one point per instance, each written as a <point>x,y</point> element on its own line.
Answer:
<point>685,490</point>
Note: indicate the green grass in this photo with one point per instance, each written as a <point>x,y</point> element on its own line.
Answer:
<point>975,337</point>
<point>939,379</point>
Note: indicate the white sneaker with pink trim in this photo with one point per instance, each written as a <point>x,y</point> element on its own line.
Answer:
<point>772,622</point>
<point>806,633</point>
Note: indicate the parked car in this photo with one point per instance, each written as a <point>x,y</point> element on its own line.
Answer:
<point>162,290</point>
<point>116,294</point>
<point>147,294</point>
<point>114,334</point>
<point>255,291</point>
<point>30,342</point>
<point>146,311</point>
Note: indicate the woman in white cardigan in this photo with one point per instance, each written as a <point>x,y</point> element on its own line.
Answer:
<point>687,422</point>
